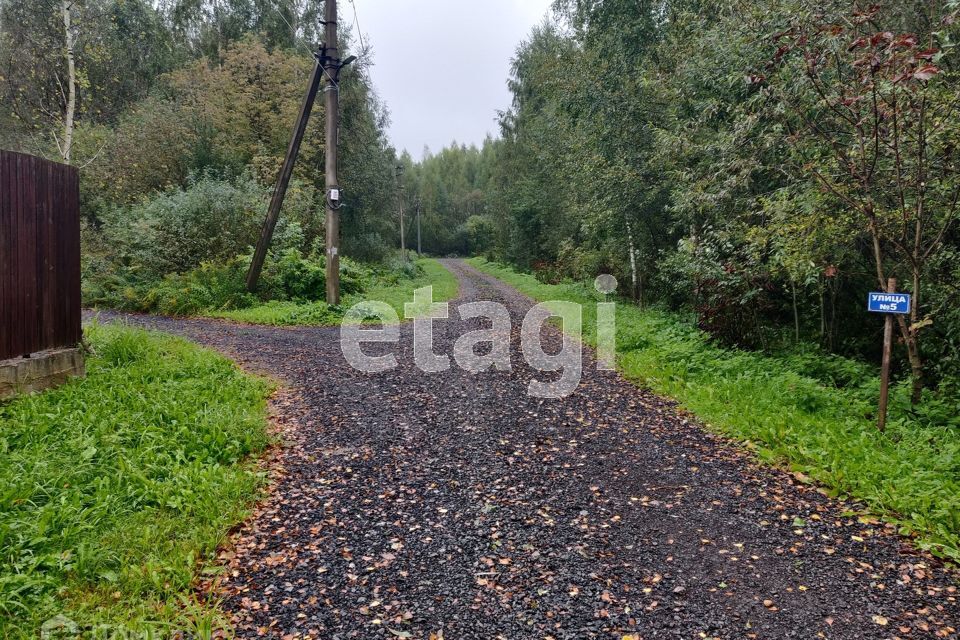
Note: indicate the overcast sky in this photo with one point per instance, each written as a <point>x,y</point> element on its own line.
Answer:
<point>442,65</point>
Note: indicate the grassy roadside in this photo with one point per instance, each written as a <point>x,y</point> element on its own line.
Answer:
<point>445,287</point>
<point>114,488</point>
<point>810,413</point>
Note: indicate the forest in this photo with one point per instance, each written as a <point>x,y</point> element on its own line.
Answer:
<point>759,166</point>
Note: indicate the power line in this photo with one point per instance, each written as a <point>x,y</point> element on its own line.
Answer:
<point>293,32</point>
<point>356,24</point>
<point>303,43</point>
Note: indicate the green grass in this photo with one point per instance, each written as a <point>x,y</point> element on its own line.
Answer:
<point>811,413</point>
<point>396,294</point>
<point>115,488</point>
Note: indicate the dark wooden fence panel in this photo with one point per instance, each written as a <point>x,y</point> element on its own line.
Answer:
<point>39,255</point>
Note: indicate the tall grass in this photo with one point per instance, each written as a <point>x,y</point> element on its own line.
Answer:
<point>810,411</point>
<point>114,488</point>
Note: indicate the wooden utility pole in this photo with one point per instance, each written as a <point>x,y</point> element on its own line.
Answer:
<point>885,366</point>
<point>403,242</point>
<point>332,65</point>
<point>280,191</point>
<point>328,64</point>
<point>419,246</point>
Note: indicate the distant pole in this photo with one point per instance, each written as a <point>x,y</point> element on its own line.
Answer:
<point>403,242</point>
<point>885,366</point>
<point>419,246</point>
<point>280,191</point>
<point>331,59</point>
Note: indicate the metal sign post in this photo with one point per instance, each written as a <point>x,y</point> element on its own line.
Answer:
<point>889,303</point>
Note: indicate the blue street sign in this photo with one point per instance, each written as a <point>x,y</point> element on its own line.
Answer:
<point>879,302</point>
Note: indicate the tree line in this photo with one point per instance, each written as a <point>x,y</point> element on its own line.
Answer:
<point>761,164</point>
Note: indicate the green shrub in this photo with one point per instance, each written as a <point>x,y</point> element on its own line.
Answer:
<point>104,283</point>
<point>393,287</point>
<point>481,231</point>
<point>288,276</point>
<point>210,286</point>
<point>396,268</point>
<point>211,220</point>
<point>576,262</point>
<point>299,278</point>
<point>355,277</point>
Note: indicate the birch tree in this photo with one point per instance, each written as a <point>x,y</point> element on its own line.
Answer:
<point>70,99</point>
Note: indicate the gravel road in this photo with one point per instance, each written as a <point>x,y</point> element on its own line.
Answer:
<point>453,505</point>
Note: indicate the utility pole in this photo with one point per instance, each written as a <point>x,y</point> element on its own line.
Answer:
<point>419,246</point>
<point>280,191</point>
<point>332,66</point>
<point>403,242</point>
<point>328,64</point>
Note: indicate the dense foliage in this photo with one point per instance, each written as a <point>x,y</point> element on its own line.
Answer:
<point>763,165</point>
<point>178,115</point>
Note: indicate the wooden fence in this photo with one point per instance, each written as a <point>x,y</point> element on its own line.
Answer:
<point>39,255</point>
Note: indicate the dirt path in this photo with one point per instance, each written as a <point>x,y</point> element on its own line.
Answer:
<point>454,506</point>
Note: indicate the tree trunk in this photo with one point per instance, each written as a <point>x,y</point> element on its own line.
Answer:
<point>913,355</point>
<point>71,41</point>
<point>832,327</point>
<point>633,260</point>
<point>912,340</point>
<point>823,311</point>
<point>796,312</point>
